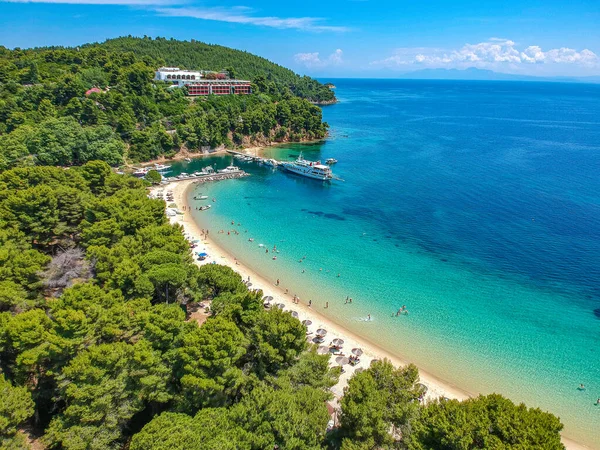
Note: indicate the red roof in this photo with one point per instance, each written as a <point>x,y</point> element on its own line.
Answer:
<point>93,90</point>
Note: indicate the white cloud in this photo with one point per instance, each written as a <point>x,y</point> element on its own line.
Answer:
<point>492,54</point>
<point>243,16</point>
<point>104,2</point>
<point>235,14</point>
<point>312,60</point>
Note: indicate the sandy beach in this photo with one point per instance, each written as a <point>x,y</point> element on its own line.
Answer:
<point>436,387</point>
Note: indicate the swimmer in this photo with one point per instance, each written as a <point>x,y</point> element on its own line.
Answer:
<point>369,316</point>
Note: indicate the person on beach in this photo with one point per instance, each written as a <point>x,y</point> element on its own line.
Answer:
<point>309,303</point>
<point>248,278</point>
<point>369,316</point>
<point>326,305</point>
<point>286,291</point>
<point>277,282</point>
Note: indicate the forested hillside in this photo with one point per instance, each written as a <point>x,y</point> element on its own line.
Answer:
<point>96,352</point>
<point>47,115</point>
<point>198,55</point>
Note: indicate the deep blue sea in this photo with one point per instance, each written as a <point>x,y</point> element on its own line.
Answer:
<point>475,204</point>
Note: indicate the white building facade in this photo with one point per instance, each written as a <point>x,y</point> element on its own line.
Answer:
<point>177,76</point>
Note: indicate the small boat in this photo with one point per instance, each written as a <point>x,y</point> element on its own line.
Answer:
<point>230,169</point>
<point>140,173</point>
<point>188,160</point>
<point>270,162</point>
<point>162,167</point>
<point>204,208</point>
<point>331,161</point>
<point>200,197</point>
<point>208,170</point>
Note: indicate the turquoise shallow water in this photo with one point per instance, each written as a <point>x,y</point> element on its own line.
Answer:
<point>475,204</point>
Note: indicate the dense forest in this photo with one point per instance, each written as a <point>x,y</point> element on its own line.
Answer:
<point>96,351</point>
<point>48,116</point>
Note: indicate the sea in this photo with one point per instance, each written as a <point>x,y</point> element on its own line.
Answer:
<point>474,204</point>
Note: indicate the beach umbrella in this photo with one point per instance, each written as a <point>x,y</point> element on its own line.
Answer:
<point>357,351</point>
<point>248,284</point>
<point>307,323</point>
<point>323,350</point>
<point>342,360</point>
<point>338,342</point>
<point>268,298</point>
<point>294,314</point>
<point>280,305</point>
<point>321,332</point>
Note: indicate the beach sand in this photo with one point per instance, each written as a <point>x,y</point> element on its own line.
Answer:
<point>436,387</point>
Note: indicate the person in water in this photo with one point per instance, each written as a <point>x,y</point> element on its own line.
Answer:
<point>369,316</point>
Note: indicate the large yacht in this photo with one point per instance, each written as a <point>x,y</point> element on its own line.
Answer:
<point>309,169</point>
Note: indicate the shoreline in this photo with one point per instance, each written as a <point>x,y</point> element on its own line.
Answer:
<point>437,387</point>
<point>250,150</point>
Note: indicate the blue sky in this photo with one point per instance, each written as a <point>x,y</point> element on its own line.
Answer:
<point>339,37</point>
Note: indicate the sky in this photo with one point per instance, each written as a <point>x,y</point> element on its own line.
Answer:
<point>338,38</point>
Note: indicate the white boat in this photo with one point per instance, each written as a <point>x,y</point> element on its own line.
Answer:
<point>140,173</point>
<point>188,160</point>
<point>248,159</point>
<point>161,167</point>
<point>230,169</point>
<point>200,197</point>
<point>309,169</point>
<point>204,208</point>
<point>208,170</point>
<point>331,161</point>
<point>270,162</point>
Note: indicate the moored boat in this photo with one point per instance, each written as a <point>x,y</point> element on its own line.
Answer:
<point>309,169</point>
<point>230,169</point>
<point>331,161</point>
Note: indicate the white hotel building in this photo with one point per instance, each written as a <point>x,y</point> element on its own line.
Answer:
<point>198,85</point>
<point>177,76</point>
